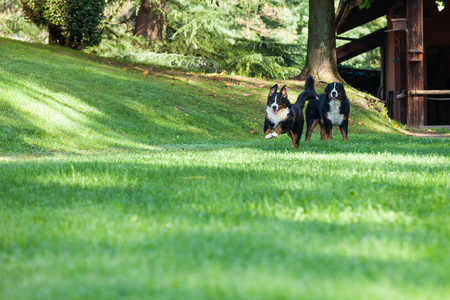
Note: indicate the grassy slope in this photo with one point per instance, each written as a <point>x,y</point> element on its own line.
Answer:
<point>58,99</point>
<point>108,192</point>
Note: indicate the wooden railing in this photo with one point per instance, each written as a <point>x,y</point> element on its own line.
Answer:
<point>419,93</point>
<point>428,92</point>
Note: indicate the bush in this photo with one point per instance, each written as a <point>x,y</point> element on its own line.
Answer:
<point>73,23</point>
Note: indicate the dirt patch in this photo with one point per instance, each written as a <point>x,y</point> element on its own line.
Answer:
<point>424,134</point>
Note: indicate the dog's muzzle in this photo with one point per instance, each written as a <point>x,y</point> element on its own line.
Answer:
<point>275,109</point>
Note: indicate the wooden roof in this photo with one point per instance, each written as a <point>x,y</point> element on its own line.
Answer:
<point>349,15</point>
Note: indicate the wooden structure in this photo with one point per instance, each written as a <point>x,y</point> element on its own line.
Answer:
<point>415,49</point>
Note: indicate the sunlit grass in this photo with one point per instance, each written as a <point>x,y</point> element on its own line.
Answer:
<point>71,103</point>
<point>228,223</point>
<point>115,185</point>
<point>56,99</point>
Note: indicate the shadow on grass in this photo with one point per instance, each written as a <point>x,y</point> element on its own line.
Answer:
<point>100,104</point>
<point>66,102</point>
<point>239,261</point>
<point>363,143</point>
<point>223,228</point>
<point>164,179</point>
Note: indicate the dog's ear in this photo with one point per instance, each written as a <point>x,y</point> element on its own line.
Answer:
<point>273,90</point>
<point>284,92</point>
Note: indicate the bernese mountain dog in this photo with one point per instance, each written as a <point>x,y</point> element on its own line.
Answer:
<point>329,109</point>
<point>335,110</point>
<point>283,117</point>
<point>312,111</point>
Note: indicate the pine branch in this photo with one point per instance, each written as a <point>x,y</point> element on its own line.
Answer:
<point>122,3</point>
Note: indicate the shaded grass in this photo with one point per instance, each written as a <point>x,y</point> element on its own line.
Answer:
<point>117,185</point>
<point>227,223</point>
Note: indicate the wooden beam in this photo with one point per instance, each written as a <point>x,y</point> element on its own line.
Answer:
<point>361,45</point>
<point>416,104</point>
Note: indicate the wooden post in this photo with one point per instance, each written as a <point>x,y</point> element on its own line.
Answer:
<point>415,71</point>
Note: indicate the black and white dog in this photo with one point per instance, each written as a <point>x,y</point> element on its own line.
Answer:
<point>283,117</point>
<point>312,111</point>
<point>329,109</point>
<point>335,110</point>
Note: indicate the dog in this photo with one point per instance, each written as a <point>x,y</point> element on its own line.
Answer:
<point>283,117</point>
<point>312,112</point>
<point>329,109</point>
<point>335,110</point>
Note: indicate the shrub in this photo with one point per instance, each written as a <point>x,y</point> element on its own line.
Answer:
<point>73,23</point>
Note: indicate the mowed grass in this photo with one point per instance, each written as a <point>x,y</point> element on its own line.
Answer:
<point>56,99</point>
<point>109,192</point>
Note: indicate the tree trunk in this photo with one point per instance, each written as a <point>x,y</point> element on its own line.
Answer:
<point>55,36</point>
<point>151,19</point>
<point>321,60</point>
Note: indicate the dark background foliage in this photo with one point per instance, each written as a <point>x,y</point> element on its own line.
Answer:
<point>258,38</point>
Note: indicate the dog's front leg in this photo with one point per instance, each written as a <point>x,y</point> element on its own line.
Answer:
<point>268,128</point>
<point>295,138</point>
<point>328,127</point>
<point>277,132</point>
<point>330,136</point>
<point>268,133</point>
<point>311,128</point>
<point>344,128</point>
<point>344,133</point>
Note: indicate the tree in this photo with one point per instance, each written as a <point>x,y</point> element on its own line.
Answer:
<point>321,61</point>
<point>151,19</point>
<point>73,23</point>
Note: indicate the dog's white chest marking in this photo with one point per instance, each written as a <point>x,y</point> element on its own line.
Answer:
<point>334,116</point>
<point>277,118</point>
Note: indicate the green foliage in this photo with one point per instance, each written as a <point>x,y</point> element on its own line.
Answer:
<point>211,34</point>
<point>214,35</point>
<point>366,4</point>
<point>203,33</point>
<point>137,49</point>
<point>237,36</point>
<point>18,27</point>
<point>369,60</point>
<point>73,23</point>
<point>257,65</point>
<point>264,59</point>
<point>83,22</point>
<point>440,4</point>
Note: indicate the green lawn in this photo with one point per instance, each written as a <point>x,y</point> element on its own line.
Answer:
<point>115,185</point>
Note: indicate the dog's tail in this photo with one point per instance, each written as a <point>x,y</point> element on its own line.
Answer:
<point>309,92</point>
<point>309,84</point>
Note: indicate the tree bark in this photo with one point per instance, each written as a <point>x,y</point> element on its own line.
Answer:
<point>151,19</point>
<point>321,61</point>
